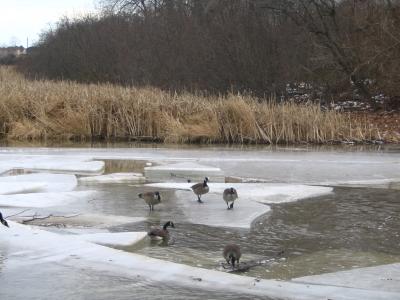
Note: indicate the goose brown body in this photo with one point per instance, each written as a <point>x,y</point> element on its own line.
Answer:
<point>3,221</point>
<point>151,198</point>
<point>230,195</point>
<point>200,189</point>
<point>232,254</point>
<point>161,233</point>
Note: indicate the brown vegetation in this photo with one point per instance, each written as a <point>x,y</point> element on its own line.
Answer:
<point>345,49</point>
<point>31,110</point>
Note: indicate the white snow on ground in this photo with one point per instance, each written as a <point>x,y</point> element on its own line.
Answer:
<point>260,192</point>
<point>214,212</point>
<point>31,246</point>
<point>384,278</point>
<point>46,163</point>
<point>44,181</point>
<point>113,178</point>
<point>114,238</point>
<point>38,200</point>
<point>181,172</point>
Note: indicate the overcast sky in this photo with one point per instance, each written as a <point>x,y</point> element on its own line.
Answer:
<point>20,19</point>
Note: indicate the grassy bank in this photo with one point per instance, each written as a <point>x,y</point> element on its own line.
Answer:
<point>33,110</point>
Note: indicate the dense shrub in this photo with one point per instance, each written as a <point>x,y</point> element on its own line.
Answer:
<point>344,49</point>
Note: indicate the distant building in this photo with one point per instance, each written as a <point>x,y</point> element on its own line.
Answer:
<point>30,50</point>
<point>11,51</point>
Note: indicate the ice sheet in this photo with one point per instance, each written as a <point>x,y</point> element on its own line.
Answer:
<point>389,183</point>
<point>44,181</point>
<point>31,246</point>
<point>80,223</point>
<point>214,212</point>
<point>260,192</point>
<point>20,187</point>
<point>181,172</point>
<point>114,238</point>
<point>38,200</point>
<point>301,165</point>
<point>384,278</point>
<point>114,178</point>
<point>81,165</point>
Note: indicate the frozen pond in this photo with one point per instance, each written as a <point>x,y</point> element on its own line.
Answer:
<point>348,229</point>
<point>321,230</point>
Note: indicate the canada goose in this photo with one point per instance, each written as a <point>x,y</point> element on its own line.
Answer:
<point>230,195</point>
<point>200,189</point>
<point>158,233</point>
<point>151,198</point>
<point>232,253</point>
<point>4,222</point>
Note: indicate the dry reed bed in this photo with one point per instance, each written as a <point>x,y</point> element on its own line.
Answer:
<point>65,110</point>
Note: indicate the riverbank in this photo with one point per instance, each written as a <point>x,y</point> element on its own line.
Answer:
<point>387,124</point>
<point>46,110</point>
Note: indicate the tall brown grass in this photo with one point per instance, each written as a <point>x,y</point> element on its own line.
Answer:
<point>66,110</point>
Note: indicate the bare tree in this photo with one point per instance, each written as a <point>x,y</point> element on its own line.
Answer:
<point>346,47</point>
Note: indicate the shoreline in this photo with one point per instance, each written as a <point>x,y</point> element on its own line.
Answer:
<point>45,110</point>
